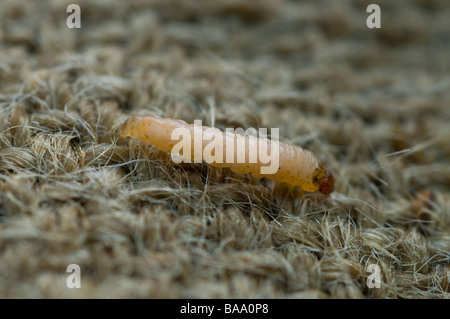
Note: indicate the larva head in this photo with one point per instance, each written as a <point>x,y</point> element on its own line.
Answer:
<point>325,180</point>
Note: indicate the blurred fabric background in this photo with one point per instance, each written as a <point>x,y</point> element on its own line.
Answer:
<point>372,104</point>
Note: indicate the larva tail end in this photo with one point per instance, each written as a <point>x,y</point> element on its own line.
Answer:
<point>325,180</point>
<point>125,128</point>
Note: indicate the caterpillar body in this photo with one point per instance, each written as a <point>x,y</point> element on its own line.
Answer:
<point>297,166</point>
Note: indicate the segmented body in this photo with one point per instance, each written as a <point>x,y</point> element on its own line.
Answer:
<point>297,166</point>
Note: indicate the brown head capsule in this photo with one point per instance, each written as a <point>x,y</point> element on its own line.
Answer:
<point>325,180</point>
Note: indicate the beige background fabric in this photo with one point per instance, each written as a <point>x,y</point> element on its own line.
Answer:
<point>372,104</point>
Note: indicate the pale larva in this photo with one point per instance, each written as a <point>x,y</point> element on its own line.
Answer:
<point>297,167</point>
